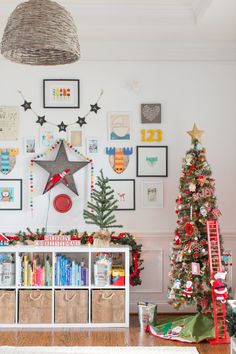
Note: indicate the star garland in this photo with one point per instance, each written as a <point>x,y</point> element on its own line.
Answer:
<point>44,154</point>
<point>122,239</point>
<point>94,108</point>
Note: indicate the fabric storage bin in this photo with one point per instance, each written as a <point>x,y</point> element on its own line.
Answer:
<point>108,306</point>
<point>71,306</point>
<point>7,306</point>
<point>35,306</point>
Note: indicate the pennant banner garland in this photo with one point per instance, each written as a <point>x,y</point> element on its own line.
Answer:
<point>62,127</point>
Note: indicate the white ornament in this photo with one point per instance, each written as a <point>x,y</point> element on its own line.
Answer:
<point>192,187</point>
<point>203,211</point>
<point>189,159</point>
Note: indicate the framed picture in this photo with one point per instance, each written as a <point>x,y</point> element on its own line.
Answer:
<point>152,161</point>
<point>119,126</point>
<point>47,138</point>
<point>61,93</point>
<point>75,137</point>
<point>30,145</point>
<point>152,194</point>
<point>150,113</point>
<point>92,145</point>
<point>124,191</point>
<point>9,123</point>
<point>10,194</point>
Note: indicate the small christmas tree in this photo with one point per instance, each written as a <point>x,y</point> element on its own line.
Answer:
<point>102,205</point>
<point>195,204</point>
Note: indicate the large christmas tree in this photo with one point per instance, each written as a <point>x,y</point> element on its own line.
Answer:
<point>195,204</point>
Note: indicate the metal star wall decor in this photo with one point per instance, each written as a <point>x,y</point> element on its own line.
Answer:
<point>59,165</point>
<point>62,127</point>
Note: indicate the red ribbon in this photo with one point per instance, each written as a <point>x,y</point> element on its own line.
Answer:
<point>136,271</point>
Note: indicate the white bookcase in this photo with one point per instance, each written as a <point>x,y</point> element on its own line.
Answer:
<point>87,252</point>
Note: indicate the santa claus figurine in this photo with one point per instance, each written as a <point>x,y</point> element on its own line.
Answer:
<point>188,289</point>
<point>220,289</point>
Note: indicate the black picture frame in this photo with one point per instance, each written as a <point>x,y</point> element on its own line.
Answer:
<point>133,192</point>
<point>144,170</point>
<point>6,183</point>
<point>64,104</point>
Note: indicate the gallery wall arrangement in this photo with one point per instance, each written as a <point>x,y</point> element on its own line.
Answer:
<point>61,150</point>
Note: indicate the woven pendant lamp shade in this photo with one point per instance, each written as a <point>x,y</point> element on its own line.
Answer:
<point>40,32</point>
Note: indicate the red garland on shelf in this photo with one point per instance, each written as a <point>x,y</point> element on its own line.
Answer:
<point>121,239</point>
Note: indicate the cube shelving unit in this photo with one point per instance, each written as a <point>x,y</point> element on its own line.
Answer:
<point>76,252</point>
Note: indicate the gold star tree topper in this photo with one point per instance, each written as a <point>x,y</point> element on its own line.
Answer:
<point>196,134</point>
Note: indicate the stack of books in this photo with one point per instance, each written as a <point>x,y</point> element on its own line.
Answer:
<point>36,270</point>
<point>69,272</point>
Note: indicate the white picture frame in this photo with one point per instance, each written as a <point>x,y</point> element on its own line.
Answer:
<point>124,192</point>
<point>47,137</point>
<point>9,123</point>
<point>119,126</point>
<point>92,145</point>
<point>152,161</point>
<point>152,194</point>
<point>30,145</point>
<point>75,137</point>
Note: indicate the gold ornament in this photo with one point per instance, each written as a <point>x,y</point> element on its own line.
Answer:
<point>196,134</point>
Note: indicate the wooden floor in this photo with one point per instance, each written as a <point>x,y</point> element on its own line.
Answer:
<point>132,336</point>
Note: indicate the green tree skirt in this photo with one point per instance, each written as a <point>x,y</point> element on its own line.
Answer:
<point>187,328</point>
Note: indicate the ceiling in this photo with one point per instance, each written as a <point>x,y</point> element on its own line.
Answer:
<point>173,25</point>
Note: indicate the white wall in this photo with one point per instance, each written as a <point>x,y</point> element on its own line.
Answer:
<point>189,92</point>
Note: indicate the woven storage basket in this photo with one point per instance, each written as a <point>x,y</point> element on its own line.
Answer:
<point>40,32</point>
<point>108,306</point>
<point>7,306</point>
<point>35,306</point>
<point>71,306</point>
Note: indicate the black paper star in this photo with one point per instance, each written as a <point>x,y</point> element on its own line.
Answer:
<point>94,108</point>
<point>81,121</point>
<point>61,163</point>
<point>41,120</point>
<point>62,127</point>
<point>26,105</point>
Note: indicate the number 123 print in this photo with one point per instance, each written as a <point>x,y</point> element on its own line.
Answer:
<point>151,135</point>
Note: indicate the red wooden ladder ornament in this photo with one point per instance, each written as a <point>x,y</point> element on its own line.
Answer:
<point>219,309</point>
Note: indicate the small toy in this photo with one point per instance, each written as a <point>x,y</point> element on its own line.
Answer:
<point>220,289</point>
<point>188,289</point>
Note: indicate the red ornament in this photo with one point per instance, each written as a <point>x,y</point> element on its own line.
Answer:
<point>62,203</point>
<point>196,255</point>
<point>189,229</point>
